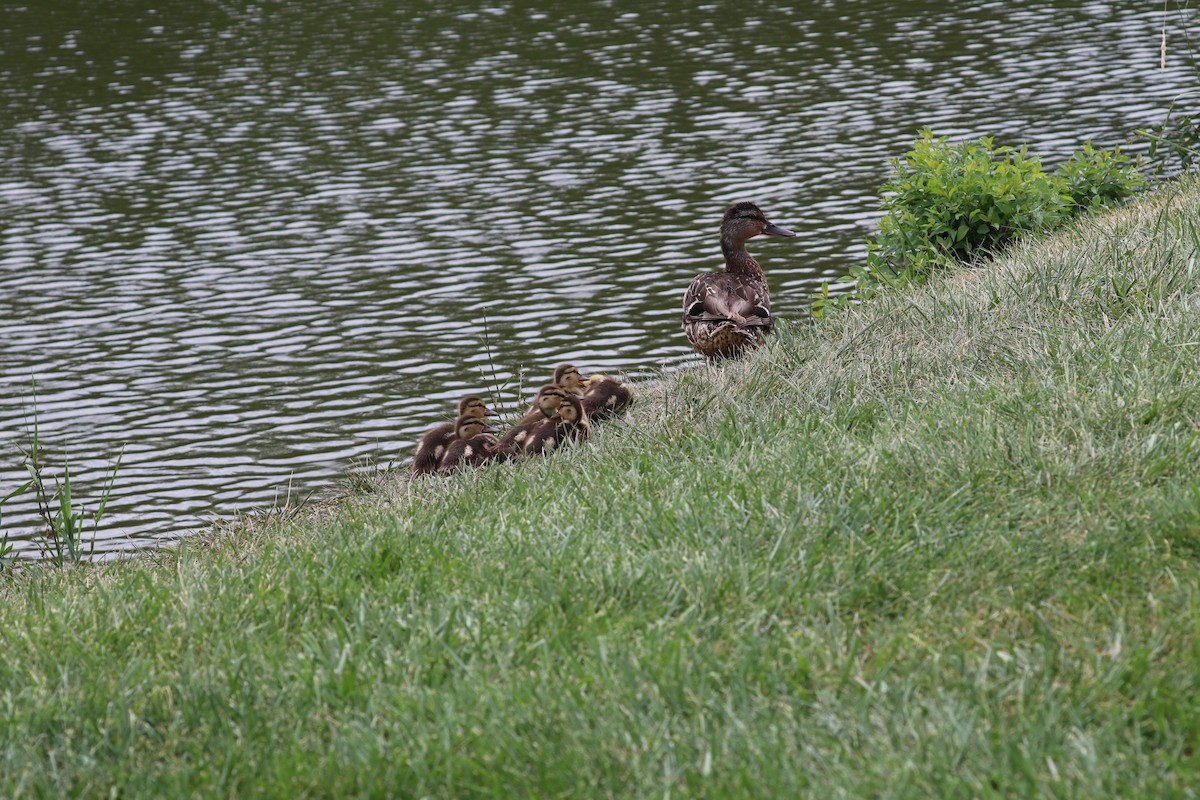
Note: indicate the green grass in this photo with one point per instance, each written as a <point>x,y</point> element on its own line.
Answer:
<point>943,545</point>
<point>61,541</point>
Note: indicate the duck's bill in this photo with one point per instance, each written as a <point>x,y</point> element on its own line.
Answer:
<point>775,230</point>
<point>490,413</point>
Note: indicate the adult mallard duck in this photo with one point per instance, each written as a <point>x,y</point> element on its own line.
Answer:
<point>474,444</point>
<point>605,396</point>
<point>570,423</point>
<point>724,313</point>
<point>544,406</point>
<point>433,444</point>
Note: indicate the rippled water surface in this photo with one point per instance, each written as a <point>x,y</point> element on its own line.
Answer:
<point>257,247</point>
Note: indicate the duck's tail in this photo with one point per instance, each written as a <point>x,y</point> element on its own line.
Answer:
<point>758,318</point>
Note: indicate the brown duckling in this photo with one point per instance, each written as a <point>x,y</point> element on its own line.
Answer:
<point>605,396</point>
<point>544,406</point>
<point>724,313</point>
<point>566,376</point>
<point>569,424</point>
<point>569,377</point>
<point>433,444</point>
<point>474,444</point>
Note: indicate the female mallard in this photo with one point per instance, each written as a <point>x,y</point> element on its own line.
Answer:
<point>545,405</point>
<point>605,396</point>
<point>724,313</point>
<point>473,445</point>
<point>570,423</point>
<point>433,444</point>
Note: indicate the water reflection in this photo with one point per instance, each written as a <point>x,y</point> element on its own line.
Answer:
<point>257,246</point>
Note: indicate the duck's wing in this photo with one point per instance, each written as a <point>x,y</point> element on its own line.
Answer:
<point>431,448</point>
<point>481,449</point>
<point>605,398</point>
<point>518,435</point>
<point>543,438</point>
<point>452,455</point>
<point>721,297</point>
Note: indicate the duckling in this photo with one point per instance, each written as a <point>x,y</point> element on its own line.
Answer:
<point>545,404</point>
<point>605,396</point>
<point>474,444</point>
<point>570,423</point>
<point>433,444</point>
<point>725,313</point>
<point>566,376</point>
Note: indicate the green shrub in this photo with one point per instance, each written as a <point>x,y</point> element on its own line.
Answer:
<point>1095,178</point>
<point>948,204</point>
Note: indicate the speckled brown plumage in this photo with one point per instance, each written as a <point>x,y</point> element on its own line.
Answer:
<point>433,444</point>
<point>724,313</point>
<point>569,424</point>
<point>544,406</point>
<point>474,445</point>
<point>605,397</point>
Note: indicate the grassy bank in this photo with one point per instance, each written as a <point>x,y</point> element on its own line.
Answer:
<point>944,545</point>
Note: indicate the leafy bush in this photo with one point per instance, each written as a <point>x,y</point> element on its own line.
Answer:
<point>948,204</point>
<point>1095,178</point>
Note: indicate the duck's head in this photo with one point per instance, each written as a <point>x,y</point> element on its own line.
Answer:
<point>474,407</point>
<point>745,220</point>
<point>570,411</point>
<point>568,377</point>
<point>469,426</point>
<point>549,397</point>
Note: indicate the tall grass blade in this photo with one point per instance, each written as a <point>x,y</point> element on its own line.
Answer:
<point>108,487</point>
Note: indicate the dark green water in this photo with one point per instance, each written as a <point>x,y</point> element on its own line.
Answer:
<point>259,243</point>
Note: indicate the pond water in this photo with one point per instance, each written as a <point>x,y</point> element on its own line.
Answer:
<point>256,245</point>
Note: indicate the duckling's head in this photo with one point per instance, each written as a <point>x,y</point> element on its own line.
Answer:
<point>745,220</point>
<point>567,376</point>
<point>549,397</point>
<point>469,426</point>
<point>474,407</point>
<point>570,411</point>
